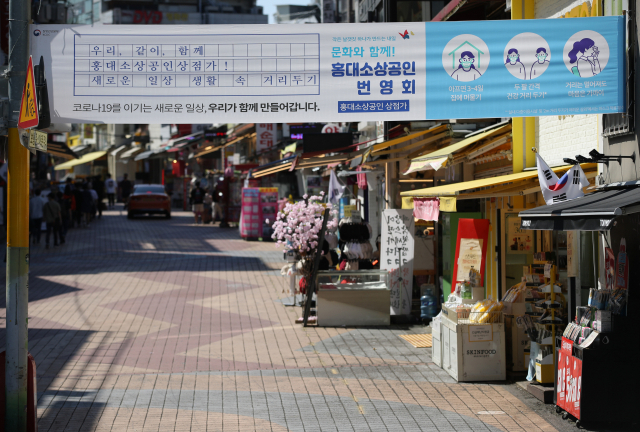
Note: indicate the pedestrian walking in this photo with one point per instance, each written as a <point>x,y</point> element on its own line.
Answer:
<point>52,214</point>
<point>68,204</point>
<point>95,199</point>
<point>77,193</point>
<point>110,186</point>
<point>217,212</point>
<point>98,186</point>
<point>197,201</point>
<point>86,205</point>
<point>35,216</point>
<point>208,209</point>
<point>125,190</point>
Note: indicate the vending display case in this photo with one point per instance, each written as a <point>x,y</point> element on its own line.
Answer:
<point>355,298</point>
<point>259,211</point>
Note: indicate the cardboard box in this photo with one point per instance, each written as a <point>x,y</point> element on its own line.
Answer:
<point>475,352</point>
<point>517,344</point>
<point>451,314</point>
<point>437,346</point>
<point>477,294</point>
<point>515,309</point>
<point>545,373</point>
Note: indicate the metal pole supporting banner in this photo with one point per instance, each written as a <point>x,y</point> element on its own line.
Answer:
<point>17,286</point>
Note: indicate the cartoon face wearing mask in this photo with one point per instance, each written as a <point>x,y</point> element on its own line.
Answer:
<point>541,55</point>
<point>466,71</point>
<point>513,56</point>
<point>466,62</point>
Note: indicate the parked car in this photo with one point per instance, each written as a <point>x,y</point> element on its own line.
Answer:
<point>149,199</point>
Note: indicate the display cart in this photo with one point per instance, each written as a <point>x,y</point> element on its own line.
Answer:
<point>259,205</point>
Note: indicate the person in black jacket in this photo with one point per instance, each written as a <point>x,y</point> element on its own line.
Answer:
<point>197,201</point>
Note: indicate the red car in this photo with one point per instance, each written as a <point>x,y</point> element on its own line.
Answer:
<point>149,199</point>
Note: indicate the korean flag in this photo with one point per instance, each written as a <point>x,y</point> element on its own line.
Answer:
<point>565,188</point>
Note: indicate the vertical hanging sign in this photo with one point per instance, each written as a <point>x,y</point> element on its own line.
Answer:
<point>265,137</point>
<point>396,256</point>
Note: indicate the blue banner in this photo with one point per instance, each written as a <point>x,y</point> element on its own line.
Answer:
<point>525,68</point>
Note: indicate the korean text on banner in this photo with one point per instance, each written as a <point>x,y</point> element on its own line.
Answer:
<point>396,256</point>
<point>333,72</point>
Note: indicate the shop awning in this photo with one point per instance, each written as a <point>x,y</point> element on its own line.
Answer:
<point>516,183</point>
<point>118,150</point>
<point>79,148</point>
<point>205,151</point>
<point>61,150</point>
<point>131,152</point>
<point>83,160</point>
<point>594,212</point>
<point>149,154</point>
<point>439,158</point>
<point>143,155</point>
<point>180,143</point>
<point>400,140</point>
<point>273,167</point>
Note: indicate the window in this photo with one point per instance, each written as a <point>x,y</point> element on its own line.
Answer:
<point>151,189</point>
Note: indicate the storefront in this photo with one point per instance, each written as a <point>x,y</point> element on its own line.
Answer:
<point>595,348</point>
<point>515,256</point>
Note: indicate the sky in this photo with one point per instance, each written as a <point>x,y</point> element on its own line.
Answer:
<point>270,6</point>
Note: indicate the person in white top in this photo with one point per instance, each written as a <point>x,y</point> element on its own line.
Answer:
<point>585,55</point>
<point>466,71</point>
<point>110,185</point>
<point>540,65</point>
<point>35,216</point>
<point>514,65</point>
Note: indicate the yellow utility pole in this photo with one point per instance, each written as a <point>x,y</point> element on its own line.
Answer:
<point>17,286</point>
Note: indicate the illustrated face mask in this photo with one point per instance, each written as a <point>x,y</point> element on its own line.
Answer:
<point>513,58</point>
<point>466,62</point>
<point>541,57</point>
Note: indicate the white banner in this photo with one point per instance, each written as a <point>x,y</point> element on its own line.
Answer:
<point>396,256</point>
<point>232,73</point>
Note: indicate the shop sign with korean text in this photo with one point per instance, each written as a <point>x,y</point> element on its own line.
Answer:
<point>396,256</point>
<point>265,137</point>
<point>332,72</point>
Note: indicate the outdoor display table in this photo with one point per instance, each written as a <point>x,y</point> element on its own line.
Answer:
<point>353,298</point>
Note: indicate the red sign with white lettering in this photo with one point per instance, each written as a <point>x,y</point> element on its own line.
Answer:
<point>265,137</point>
<point>569,385</point>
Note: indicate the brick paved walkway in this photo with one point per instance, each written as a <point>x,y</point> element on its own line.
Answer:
<point>159,325</point>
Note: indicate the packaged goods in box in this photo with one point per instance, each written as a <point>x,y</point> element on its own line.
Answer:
<point>474,352</point>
